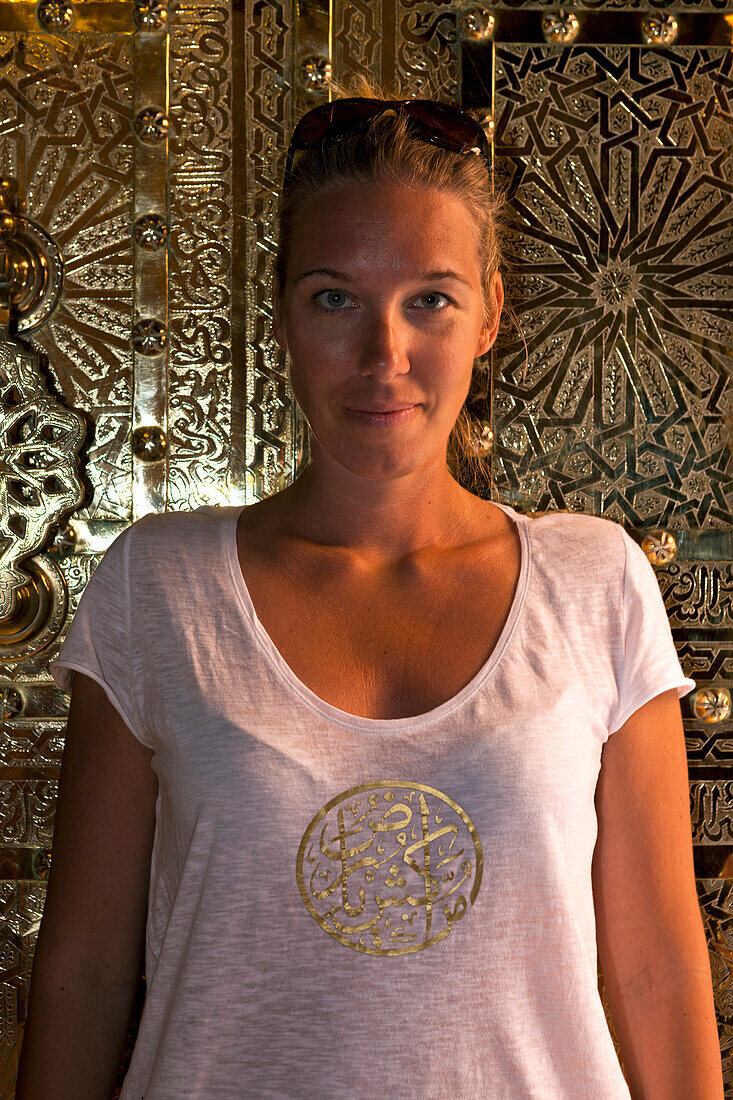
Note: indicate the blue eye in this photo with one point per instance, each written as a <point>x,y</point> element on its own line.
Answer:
<point>428,294</point>
<point>327,308</point>
<point>436,294</point>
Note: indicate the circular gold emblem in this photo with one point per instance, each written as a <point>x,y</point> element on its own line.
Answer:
<point>386,867</point>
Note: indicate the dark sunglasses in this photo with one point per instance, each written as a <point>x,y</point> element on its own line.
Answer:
<point>437,123</point>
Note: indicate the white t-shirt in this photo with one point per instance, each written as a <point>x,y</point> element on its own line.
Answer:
<point>343,906</point>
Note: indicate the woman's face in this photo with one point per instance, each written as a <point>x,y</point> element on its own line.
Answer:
<point>383,322</point>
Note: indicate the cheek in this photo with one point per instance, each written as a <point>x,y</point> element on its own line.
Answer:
<point>312,378</point>
<point>318,359</point>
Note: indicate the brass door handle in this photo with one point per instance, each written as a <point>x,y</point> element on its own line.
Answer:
<point>31,266</point>
<point>39,441</point>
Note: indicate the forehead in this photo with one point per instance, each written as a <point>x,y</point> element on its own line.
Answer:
<point>390,226</point>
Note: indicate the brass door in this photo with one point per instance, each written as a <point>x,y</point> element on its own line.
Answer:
<point>141,151</point>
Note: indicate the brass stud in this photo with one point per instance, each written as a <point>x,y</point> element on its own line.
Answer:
<point>477,23</point>
<point>55,17</point>
<point>149,443</point>
<point>659,30</point>
<point>149,336</point>
<point>482,437</point>
<point>315,73</point>
<point>64,542</point>
<point>660,547</point>
<point>711,704</point>
<point>41,863</point>
<point>11,702</point>
<point>150,232</point>
<point>486,121</point>
<point>151,125</point>
<point>560,27</point>
<point>149,15</point>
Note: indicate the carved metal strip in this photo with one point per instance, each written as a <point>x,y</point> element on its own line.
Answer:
<point>710,746</point>
<point>84,16</point>
<point>270,425</point>
<point>519,6</point>
<point>149,440</point>
<point>427,59</point>
<point>715,897</point>
<point>203,380</point>
<point>358,39</point>
<point>625,27</point>
<point>699,596</point>
<point>711,803</point>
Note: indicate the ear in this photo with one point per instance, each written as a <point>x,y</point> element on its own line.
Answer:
<point>491,331</point>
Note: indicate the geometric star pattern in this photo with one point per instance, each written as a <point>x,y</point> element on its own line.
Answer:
<point>619,163</point>
<point>65,135</point>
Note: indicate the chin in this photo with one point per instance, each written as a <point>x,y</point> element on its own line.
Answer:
<point>379,466</point>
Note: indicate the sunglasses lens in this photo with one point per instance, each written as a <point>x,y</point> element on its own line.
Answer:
<point>456,131</point>
<point>452,129</point>
<point>332,116</point>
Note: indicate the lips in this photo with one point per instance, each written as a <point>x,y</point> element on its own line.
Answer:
<point>383,418</point>
<point>379,407</point>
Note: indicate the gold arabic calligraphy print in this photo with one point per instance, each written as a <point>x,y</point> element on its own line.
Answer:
<point>388,868</point>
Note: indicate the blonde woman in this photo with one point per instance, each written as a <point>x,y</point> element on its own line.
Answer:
<point>365,774</point>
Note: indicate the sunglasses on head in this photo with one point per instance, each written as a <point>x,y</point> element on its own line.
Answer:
<point>437,123</point>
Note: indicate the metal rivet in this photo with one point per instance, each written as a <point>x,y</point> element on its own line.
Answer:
<point>149,444</point>
<point>315,73</point>
<point>53,16</point>
<point>149,16</point>
<point>151,125</point>
<point>659,30</point>
<point>560,27</point>
<point>41,863</point>
<point>711,704</point>
<point>477,23</point>
<point>150,232</point>
<point>660,547</point>
<point>149,336</point>
<point>486,121</point>
<point>482,437</point>
<point>11,702</point>
<point>64,542</point>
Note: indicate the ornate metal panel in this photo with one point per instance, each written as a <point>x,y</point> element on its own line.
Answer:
<point>146,148</point>
<point>621,254</point>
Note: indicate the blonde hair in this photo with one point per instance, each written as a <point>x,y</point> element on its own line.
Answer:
<point>386,150</point>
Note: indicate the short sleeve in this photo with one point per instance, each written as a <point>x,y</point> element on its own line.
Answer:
<point>650,663</point>
<point>98,640</point>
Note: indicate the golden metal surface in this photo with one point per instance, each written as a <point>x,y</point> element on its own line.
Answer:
<point>711,704</point>
<point>148,176</point>
<point>150,318</point>
<point>31,266</point>
<point>90,17</point>
<point>39,445</point>
<point>660,547</point>
<point>560,27</point>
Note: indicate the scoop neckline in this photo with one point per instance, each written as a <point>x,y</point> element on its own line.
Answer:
<point>357,721</point>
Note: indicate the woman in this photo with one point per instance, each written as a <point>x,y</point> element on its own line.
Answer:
<point>349,739</point>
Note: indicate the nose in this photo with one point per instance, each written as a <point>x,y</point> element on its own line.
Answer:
<point>384,351</point>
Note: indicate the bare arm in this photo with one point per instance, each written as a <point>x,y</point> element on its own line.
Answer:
<point>651,941</point>
<point>90,949</point>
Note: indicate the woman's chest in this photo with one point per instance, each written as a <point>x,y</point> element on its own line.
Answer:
<point>386,646</point>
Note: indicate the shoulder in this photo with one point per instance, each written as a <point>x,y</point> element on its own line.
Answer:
<point>578,535</point>
<point>579,561</point>
<point>180,536</point>
<point>177,522</point>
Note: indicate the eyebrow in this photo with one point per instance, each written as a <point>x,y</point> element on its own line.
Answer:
<point>430,276</point>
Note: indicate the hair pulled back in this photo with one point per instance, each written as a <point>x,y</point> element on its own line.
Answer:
<point>385,151</point>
